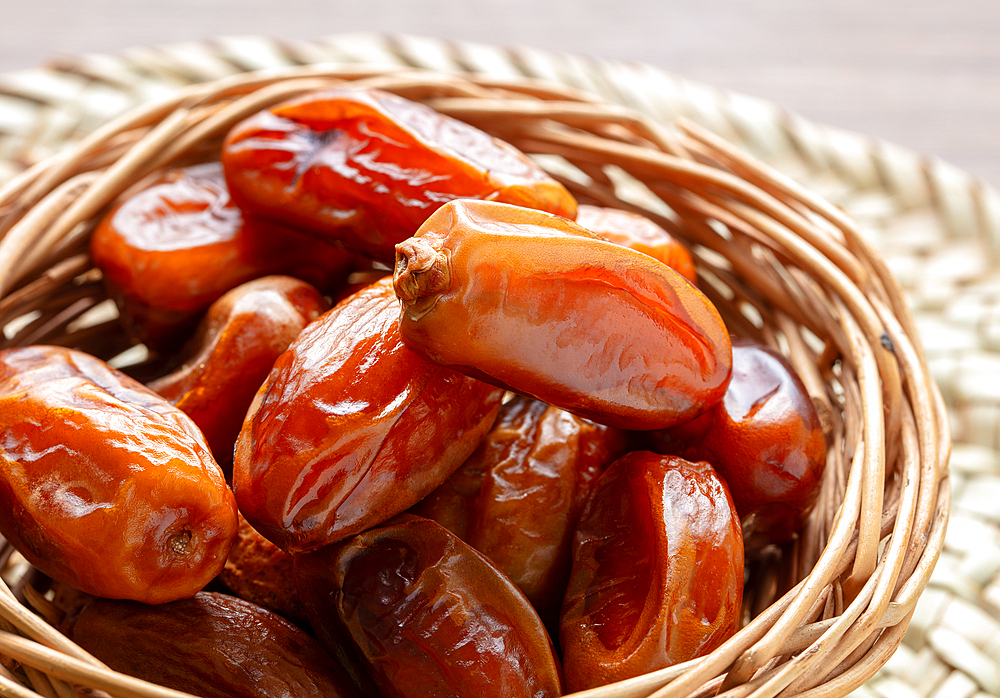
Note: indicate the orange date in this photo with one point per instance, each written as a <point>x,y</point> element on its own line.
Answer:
<point>638,233</point>
<point>232,352</point>
<point>167,252</point>
<point>534,303</point>
<point>657,573</point>
<point>352,428</point>
<point>765,439</point>
<point>106,486</point>
<point>365,168</point>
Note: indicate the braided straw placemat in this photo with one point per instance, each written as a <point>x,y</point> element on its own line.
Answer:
<point>938,228</point>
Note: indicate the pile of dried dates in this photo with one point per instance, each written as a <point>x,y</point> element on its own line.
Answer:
<point>519,456</point>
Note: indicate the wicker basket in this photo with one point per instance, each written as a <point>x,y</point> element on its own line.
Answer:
<point>783,266</point>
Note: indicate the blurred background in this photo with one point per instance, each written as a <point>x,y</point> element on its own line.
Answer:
<point>924,74</point>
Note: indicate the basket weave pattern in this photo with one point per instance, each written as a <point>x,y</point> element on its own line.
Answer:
<point>788,269</point>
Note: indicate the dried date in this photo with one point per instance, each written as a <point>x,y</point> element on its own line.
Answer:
<point>534,303</point>
<point>765,439</point>
<point>168,251</point>
<point>657,573</point>
<point>211,645</point>
<point>260,572</point>
<point>230,355</point>
<point>640,234</point>
<point>517,498</point>
<point>427,615</point>
<point>352,428</point>
<point>365,167</point>
<point>105,485</point>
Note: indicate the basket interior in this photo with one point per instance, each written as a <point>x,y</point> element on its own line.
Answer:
<point>783,266</point>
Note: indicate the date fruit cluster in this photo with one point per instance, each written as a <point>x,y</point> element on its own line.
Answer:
<point>423,425</point>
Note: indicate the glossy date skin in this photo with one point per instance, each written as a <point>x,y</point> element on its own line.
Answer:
<point>534,303</point>
<point>233,350</point>
<point>167,252</point>
<point>352,428</point>
<point>427,615</point>
<point>212,645</point>
<point>366,168</point>
<point>657,571</point>
<point>105,486</point>
<point>765,439</point>
<point>638,233</point>
<point>517,498</point>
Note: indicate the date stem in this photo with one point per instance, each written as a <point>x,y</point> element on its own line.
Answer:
<point>421,275</point>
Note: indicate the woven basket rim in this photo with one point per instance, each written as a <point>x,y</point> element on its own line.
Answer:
<point>44,221</point>
<point>818,144</point>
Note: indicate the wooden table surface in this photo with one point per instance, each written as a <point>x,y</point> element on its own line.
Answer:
<point>924,74</point>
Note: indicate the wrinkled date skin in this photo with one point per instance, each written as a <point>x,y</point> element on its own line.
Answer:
<point>167,252</point>
<point>105,485</point>
<point>352,428</point>
<point>638,233</point>
<point>535,304</point>
<point>427,614</point>
<point>517,498</point>
<point>365,168</point>
<point>260,572</point>
<point>212,645</point>
<point>657,571</point>
<point>765,439</point>
<point>232,352</point>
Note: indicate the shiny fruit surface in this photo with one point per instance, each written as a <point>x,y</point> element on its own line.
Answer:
<point>657,573</point>
<point>233,350</point>
<point>168,251</point>
<point>366,168</point>
<point>518,496</point>
<point>427,615</point>
<point>638,233</point>
<point>105,485</point>
<point>534,303</point>
<point>765,439</point>
<point>352,428</point>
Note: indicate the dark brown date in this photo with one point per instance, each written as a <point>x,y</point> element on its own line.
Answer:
<point>765,439</point>
<point>657,571</point>
<point>517,498</point>
<point>427,614</point>
<point>365,168</point>
<point>260,572</point>
<point>211,645</point>
<point>170,250</point>
<point>352,428</point>
<point>104,485</point>
<point>232,352</point>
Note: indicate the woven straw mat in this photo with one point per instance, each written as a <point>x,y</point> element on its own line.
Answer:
<point>938,227</point>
